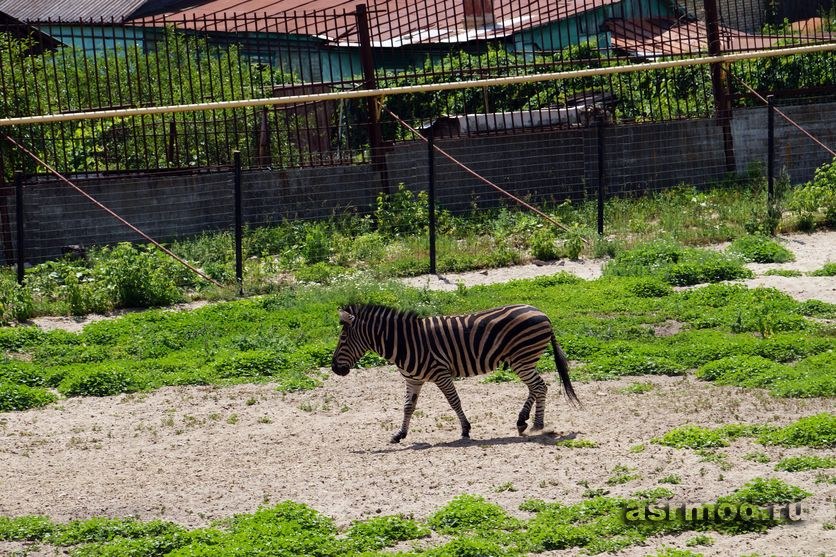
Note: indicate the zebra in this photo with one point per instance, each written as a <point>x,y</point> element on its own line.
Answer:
<point>440,348</point>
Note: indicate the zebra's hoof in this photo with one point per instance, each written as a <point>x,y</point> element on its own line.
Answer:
<point>538,427</point>
<point>396,438</point>
<point>521,428</point>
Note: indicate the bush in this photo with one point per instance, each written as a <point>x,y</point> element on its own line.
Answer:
<point>15,301</point>
<point>760,249</point>
<point>21,397</point>
<point>402,213</point>
<point>101,381</point>
<point>385,531</point>
<point>817,197</point>
<point>137,277</point>
<point>543,245</point>
<point>829,270</point>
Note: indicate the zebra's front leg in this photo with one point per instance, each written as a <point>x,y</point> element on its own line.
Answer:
<point>413,389</point>
<point>536,395</point>
<point>445,383</point>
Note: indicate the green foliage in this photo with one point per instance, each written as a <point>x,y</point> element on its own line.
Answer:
<point>402,213</point>
<point>700,539</point>
<point>676,265</point>
<point>818,431</point>
<point>602,367</point>
<point>650,288</point>
<point>760,249</point>
<point>783,273</point>
<point>760,491</point>
<point>828,270</point>
<point>102,380</point>
<point>21,397</point>
<point>746,371</point>
<point>543,245</point>
<point>621,475</point>
<point>577,443</point>
<point>637,388</point>
<point>806,462</point>
<point>692,437</point>
<point>138,277</point>
<point>25,528</point>
<point>469,513</point>
<point>501,376</point>
<point>816,199</point>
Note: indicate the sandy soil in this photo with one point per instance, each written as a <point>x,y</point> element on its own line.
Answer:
<point>194,454</point>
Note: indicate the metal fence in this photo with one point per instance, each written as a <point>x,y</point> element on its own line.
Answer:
<point>209,53</point>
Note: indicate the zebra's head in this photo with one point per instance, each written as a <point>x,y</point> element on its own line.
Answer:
<point>350,347</point>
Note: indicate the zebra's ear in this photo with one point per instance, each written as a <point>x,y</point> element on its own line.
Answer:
<point>346,318</point>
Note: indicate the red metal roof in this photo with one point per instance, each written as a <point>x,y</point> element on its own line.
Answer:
<point>394,23</point>
<point>667,37</point>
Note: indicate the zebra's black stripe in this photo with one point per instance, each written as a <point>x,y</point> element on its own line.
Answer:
<point>437,349</point>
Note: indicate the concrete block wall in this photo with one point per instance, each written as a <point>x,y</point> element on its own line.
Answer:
<point>549,166</point>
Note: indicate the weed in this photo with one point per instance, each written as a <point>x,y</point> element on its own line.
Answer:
<point>828,270</point>
<point>635,449</point>
<point>622,474</point>
<point>759,457</point>
<point>21,397</point>
<point>501,376</point>
<point>543,245</point>
<point>507,486</point>
<point>807,462</point>
<point>637,388</point>
<point>783,273</point>
<point>384,531</point>
<point>760,249</point>
<point>577,444</point>
<point>692,437</point>
<point>700,539</point>
<point>672,479</point>
<point>467,513</point>
<point>817,431</point>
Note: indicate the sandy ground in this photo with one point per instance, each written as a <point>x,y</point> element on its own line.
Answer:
<point>194,454</point>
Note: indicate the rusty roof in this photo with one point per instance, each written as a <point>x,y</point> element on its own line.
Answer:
<point>654,37</point>
<point>394,23</point>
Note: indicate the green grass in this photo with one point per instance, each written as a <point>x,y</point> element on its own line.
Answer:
<point>467,525</point>
<point>734,335</point>
<point>577,443</point>
<point>828,270</point>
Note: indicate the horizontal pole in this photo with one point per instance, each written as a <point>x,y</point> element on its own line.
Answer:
<point>425,88</point>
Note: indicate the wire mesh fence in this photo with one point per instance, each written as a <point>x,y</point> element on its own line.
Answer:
<point>574,148</point>
<point>210,53</point>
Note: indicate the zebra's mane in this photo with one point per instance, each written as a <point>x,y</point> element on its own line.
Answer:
<point>357,309</point>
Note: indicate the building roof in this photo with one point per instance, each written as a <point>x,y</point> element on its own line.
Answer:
<point>17,28</point>
<point>394,23</point>
<point>649,38</point>
<point>86,10</point>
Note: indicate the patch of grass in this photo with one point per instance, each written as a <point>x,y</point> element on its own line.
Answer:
<point>672,479</point>
<point>692,437</point>
<point>806,462</point>
<point>762,458</point>
<point>760,249</point>
<point>676,265</point>
<point>828,270</point>
<point>700,539</point>
<point>470,513</point>
<point>760,491</point>
<point>789,273</point>
<point>745,371</point>
<point>21,397</point>
<point>622,474</point>
<point>385,531</point>
<point>501,376</point>
<point>637,388</point>
<point>818,431</point>
<point>577,443</point>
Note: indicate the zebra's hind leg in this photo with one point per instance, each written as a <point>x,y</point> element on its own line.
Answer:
<point>413,389</point>
<point>537,395</point>
<point>445,383</point>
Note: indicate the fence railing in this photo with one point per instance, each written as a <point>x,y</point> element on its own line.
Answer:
<point>202,54</point>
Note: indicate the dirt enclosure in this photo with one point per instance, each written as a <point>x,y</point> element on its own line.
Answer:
<point>194,454</point>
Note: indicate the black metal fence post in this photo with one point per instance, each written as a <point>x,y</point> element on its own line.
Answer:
<point>770,156</point>
<point>601,174</point>
<point>239,234</point>
<point>431,192</point>
<point>21,239</point>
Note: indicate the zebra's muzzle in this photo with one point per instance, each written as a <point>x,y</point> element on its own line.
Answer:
<point>340,370</point>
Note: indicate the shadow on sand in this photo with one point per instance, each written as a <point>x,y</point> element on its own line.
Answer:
<point>544,438</point>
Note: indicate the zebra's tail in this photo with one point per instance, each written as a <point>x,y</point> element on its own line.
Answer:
<point>563,370</point>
